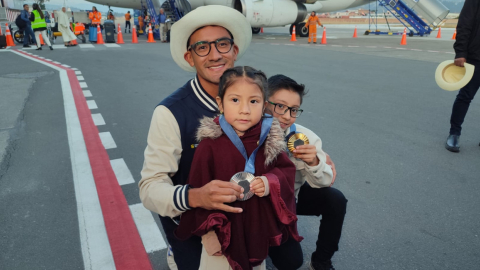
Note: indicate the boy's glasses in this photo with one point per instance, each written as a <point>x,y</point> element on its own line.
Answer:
<point>202,48</point>
<point>282,109</point>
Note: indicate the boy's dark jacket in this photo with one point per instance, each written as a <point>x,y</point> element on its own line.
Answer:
<point>467,44</point>
<point>265,221</point>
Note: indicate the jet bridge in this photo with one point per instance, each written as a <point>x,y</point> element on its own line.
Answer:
<point>420,17</point>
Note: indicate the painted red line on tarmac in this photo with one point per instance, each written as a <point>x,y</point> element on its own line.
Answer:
<point>127,247</point>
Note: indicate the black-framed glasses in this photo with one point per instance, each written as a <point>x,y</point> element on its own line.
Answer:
<point>202,48</point>
<point>282,109</point>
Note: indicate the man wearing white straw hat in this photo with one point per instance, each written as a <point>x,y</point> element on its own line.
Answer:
<point>467,50</point>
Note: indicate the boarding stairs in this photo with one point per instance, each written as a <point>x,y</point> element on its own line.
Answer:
<point>174,9</point>
<point>420,17</point>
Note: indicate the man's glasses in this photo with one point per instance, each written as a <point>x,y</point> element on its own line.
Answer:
<point>282,109</point>
<point>202,48</point>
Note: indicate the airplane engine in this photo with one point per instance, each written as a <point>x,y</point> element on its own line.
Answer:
<point>271,12</point>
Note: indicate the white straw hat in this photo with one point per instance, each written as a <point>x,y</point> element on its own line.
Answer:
<point>451,77</point>
<point>227,17</point>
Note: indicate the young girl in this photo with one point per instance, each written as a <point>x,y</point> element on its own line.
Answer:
<point>242,139</point>
<point>39,26</point>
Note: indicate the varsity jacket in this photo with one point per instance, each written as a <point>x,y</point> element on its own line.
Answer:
<point>316,176</point>
<point>170,148</point>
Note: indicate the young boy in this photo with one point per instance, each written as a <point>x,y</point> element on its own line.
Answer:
<point>312,180</point>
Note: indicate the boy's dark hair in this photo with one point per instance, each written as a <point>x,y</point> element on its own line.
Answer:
<point>252,75</point>
<point>282,82</point>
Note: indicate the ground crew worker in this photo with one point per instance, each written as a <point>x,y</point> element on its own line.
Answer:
<point>95,16</point>
<point>311,25</point>
<point>141,24</point>
<point>39,26</point>
<point>127,22</point>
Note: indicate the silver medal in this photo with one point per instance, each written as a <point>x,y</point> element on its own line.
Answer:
<point>244,179</point>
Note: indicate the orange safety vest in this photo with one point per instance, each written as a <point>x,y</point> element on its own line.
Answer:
<point>128,16</point>
<point>96,17</point>
<point>312,22</point>
<point>79,28</point>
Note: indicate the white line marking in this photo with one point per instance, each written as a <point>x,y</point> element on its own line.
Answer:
<point>63,65</point>
<point>371,46</point>
<point>48,59</point>
<point>57,63</point>
<point>98,119</point>
<point>107,140</point>
<point>83,85</point>
<point>149,232</point>
<point>274,44</point>
<point>92,104</point>
<point>112,45</point>
<point>400,48</point>
<point>450,52</point>
<point>353,46</point>
<point>417,50</point>
<point>86,46</point>
<point>80,78</point>
<point>87,93</point>
<point>336,45</point>
<point>96,250</point>
<point>59,46</point>
<point>434,51</point>
<point>387,47</point>
<point>74,68</point>
<point>31,48</point>
<point>78,72</point>
<point>289,44</point>
<point>123,174</point>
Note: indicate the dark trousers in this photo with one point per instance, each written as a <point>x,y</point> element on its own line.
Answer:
<point>27,34</point>
<point>462,102</point>
<point>187,253</point>
<point>127,23</point>
<point>331,204</point>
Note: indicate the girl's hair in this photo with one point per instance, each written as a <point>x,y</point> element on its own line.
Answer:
<point>94,7</point>
<point>282,82</point>
<point>251,75</point>
<point>36,7</point>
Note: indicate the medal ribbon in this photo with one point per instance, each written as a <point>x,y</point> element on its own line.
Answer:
<point>232,135</point>
<point>293,130</point>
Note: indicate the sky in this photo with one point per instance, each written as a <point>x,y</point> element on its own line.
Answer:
<point>84,5</point>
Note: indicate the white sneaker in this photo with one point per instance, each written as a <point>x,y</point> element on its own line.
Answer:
<point>170,261</point>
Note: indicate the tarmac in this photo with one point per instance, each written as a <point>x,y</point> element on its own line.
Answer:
<point>382,119</point>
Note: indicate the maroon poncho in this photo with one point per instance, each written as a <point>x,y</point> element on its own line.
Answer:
<point>265,221</point>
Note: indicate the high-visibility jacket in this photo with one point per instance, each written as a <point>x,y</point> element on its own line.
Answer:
<point>128,16</point>
<point>38,22</point>
<point>96,17</point>
<point>79,28</point>
<point>312,22</point>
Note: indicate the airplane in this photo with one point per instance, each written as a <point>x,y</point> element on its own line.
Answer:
<point>260,13</point>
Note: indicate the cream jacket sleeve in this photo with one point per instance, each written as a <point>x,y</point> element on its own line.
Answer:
<point>162,156</point>
<point>317,176</point>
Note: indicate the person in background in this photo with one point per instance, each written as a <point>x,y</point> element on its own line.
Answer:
<point>311,25</point>
<point>128,17</point>
<point>111,16</point>
<point>162,17</point>
<point>467,50</point>
<point>27,29</point>
<point>141,23</point>
<point>39,26</point>
<point>64,28</point>
<point>95,17</point>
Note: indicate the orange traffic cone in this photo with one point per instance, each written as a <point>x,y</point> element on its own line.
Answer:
<point>10,42</point>
<point>0,30</point>
<point>261,30</point>
<point>355,32</point>
<point>150,35</point>
<point>294,35</point>
<point>324,36</point>
<point>74,42</point>
<point>99,35</point>
<point>404,37</point>
<point>134,35</point>
<point>120,36</point>
<point>454,37</point>
<point>439,35</point>
<point>41,40</point>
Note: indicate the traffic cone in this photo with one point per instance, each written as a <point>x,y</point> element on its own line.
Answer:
<point>134,34</point>
<point>0,30</point>
<point>10,42</point>
<point>439,35</point>
<point>355,32</point>
<point>41,40</point>
<point>294,35</point>
<point>324,36</point>
<point>404,37</point>
<point>120,36</point>
<point>261,30</point>
<point>454,37</point>
<point>74,42</point>
<point>99,35</point>
<point>150,35</point>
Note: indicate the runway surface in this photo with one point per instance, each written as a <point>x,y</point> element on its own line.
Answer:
<point>75,142</point>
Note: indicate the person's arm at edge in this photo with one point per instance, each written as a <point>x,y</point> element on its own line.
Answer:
<point>162,155</point>
<point>465,27</point>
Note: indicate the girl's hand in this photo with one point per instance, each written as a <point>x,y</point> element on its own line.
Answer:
<point>258,187</point>
<point>219,253</point>
<point>307,153</point>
